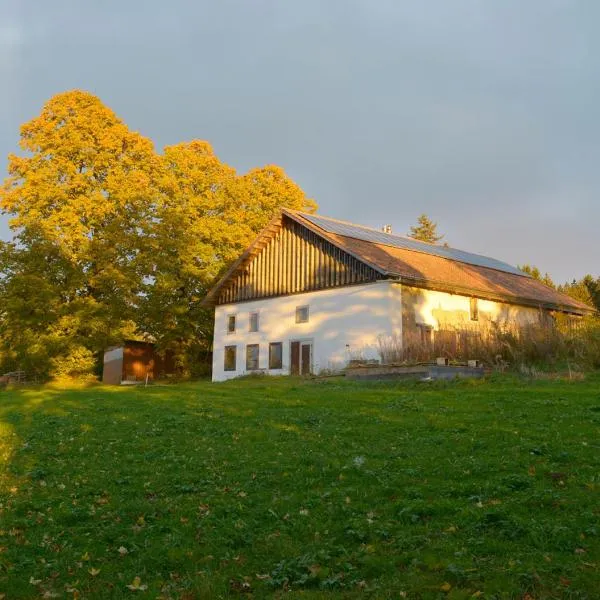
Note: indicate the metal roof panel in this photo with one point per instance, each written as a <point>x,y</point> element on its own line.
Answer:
<point>369,234</point>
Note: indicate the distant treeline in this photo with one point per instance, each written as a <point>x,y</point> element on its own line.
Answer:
<point>586,289</point>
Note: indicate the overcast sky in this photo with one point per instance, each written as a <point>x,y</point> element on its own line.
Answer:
<point>483,114</point>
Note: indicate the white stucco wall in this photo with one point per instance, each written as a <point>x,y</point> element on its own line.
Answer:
<point>433,307</point>
<point>344,323</point>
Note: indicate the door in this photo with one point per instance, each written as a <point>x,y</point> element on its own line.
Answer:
<point>300,358</point>
<point>295,358</point>
<point>306,358</point>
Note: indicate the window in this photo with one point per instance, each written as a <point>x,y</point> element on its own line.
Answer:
<point>231,324</point>
<point>275,355</point>
<point>253,322</point>
<point>230,356</point>
<point>301,314</point>
<point>252,357</point>
<point>474,309</point>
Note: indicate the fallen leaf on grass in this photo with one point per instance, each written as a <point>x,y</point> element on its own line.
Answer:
<point>136,585</point>
<point>93,572</point>
<point>580,550</point>
<point>122,550</point>
<point>451,529</point>
<point>33,581</point>
<point>445,587</point>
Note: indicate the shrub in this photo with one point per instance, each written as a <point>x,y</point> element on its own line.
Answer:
<point>77,362</point>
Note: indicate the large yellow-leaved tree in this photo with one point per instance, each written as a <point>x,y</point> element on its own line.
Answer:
<point>78,198</point>
<point>112,240</point>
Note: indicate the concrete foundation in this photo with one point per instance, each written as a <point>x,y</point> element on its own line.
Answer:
<point>414,372</point>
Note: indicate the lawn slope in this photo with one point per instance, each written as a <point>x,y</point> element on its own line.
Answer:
<point>314,489</point>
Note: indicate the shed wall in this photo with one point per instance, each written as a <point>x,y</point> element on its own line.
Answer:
<point>113,366</point>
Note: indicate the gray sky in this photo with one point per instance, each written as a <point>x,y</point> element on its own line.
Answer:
<point>483,114</point>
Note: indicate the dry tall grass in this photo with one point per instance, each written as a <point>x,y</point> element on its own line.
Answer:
<point>560,343</point>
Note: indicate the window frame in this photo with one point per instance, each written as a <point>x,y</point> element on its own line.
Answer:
<point>255,314</point>
<point>248,347</point>
<point>271,346</point>
<point>225,367</point>
<point>229,317</point>
<point>300,308</point>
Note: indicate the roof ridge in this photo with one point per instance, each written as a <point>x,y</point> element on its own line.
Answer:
<point>343,222</point>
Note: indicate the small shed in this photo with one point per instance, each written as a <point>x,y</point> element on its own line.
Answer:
<point>134,362</point>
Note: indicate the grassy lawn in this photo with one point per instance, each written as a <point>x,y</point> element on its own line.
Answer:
<point>305,489</point>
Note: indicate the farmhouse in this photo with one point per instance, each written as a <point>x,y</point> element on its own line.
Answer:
<point>312,293</point>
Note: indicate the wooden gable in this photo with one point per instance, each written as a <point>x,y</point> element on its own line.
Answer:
<point>293,259</point>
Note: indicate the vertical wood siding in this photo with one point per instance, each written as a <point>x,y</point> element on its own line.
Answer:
<point>295,260</point>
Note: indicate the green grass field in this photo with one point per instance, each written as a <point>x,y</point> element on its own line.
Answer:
<point>308,489</point>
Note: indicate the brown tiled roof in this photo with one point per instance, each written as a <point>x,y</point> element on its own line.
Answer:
<point>435,272</point>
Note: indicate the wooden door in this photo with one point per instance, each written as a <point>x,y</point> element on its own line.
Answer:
<point>306,352</point>
<point>295,358</point>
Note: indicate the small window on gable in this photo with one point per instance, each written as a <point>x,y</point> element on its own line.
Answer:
<point>253,322</point>
<point>252,357</point>
<point>474,309</point>
<point>301,314</point>
<point>231,324</point>
<point>230,356</point>
<point>275,355</point>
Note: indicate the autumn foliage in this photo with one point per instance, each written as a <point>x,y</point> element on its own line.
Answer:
<point>113,240</point>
